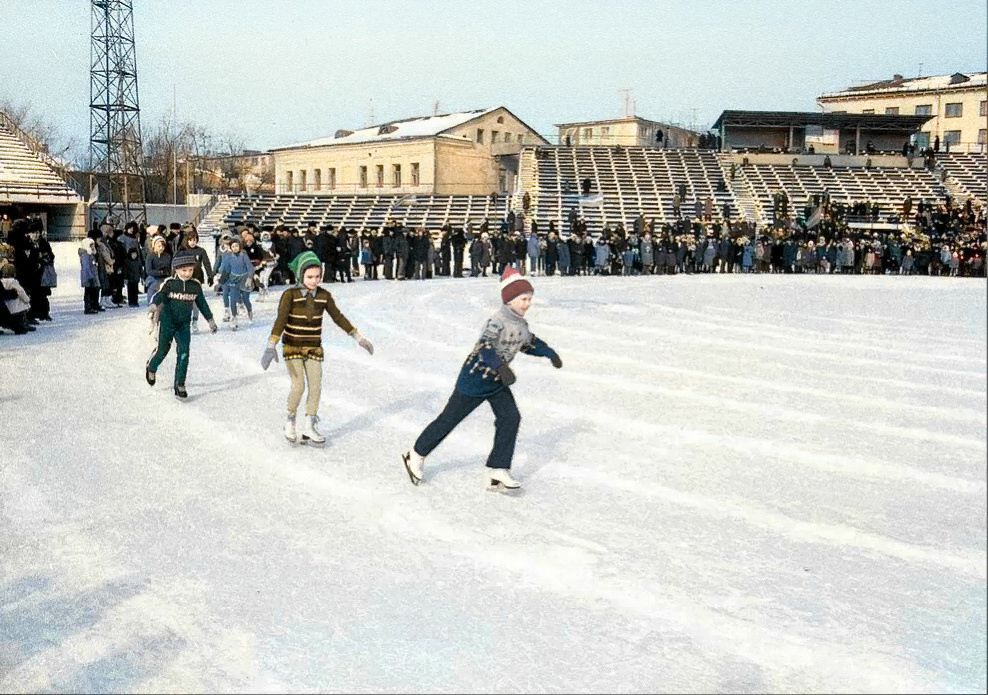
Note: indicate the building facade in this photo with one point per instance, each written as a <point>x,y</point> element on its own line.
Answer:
<point>630,132</point>
<point>956,104</point>
<point>467,153</point>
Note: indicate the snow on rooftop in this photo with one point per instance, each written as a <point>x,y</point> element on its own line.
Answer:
<point>417,127</point>
<point>916,84</point>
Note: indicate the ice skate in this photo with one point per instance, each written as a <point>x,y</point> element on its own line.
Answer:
<point>290,434</point>
<point>234,325</point>
<point>250,317</point>
<point>308,432</point>
<point>195,325</point>
<point>227,315</point>
<point>414,465</point>
<point>149,375</point>
<point>180,391</point>
<point>499,479</point>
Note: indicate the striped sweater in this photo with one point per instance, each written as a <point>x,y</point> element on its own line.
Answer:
<point>300,317</point>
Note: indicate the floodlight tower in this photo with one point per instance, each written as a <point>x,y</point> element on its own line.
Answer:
<point>115,146</point>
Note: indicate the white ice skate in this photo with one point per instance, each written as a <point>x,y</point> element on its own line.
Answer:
<point>195,325</point>
<point>227,315</point>
<point>233,324</point>
<point>308,432</point>
<point>414,465</point>
<point>500,479</point>
<point>290,433</point>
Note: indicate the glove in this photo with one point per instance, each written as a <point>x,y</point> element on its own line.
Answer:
<point>363,342</point>
<point>556,361</point>
<point>212,326</point>
<point>505,374</point>
<point>269,354</point>
<point>154,313</point>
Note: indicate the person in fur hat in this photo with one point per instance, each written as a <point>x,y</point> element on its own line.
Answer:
<point>487,376</point>
<point>171,310</point>
<point>299,326</point>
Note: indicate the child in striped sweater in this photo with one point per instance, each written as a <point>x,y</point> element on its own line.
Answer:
<point>299,327</point>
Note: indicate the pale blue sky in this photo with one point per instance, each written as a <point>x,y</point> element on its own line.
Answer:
<point>277,72</point>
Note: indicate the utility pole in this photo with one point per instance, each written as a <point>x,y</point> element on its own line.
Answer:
<point>629,102</point>
<point>116,150</point>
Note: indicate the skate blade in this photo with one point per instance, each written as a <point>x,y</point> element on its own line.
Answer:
<point>305,441</point>
<point>405,458</point>
<point>497,486</point>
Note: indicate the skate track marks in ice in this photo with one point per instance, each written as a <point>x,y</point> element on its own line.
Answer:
<point>710,504</point>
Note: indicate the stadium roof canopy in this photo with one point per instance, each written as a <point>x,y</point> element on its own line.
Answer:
<point>830,121</point>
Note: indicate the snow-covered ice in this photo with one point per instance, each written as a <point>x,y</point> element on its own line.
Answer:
<point>735,484</point>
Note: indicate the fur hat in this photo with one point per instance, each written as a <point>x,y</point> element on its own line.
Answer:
<point>304,261</point>
<point>513,284</point>
<point>182,260</point>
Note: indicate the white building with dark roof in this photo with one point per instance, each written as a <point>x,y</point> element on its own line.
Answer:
<point>465,153</point>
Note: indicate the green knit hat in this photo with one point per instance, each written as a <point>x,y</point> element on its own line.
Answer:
<point>301,262</point>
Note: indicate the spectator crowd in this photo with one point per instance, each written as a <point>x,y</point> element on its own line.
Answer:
<point>118,266</point>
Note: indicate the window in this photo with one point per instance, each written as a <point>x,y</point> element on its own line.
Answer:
<point>363,177</point>
<point>301,180</point>
<point>317,179</point>
<point>331,178</point>
<point>415,173</point>
<point>921,140</point>
<point>867,110</point>
<point>494,135</point>
<point>380,175</point>
<point>951,137</point>
<point>480,136</point>
<point>290,181</point>
<point>924,110</point>
<point>891,110</point>
<point>954,110</point>
<point>521,138</point>
<point>982,135</point>
<point>605,130</point>
<point>253,161</point>
<point>507,137</point>
<point>500,119</point>
<point>983,108</point>
<point>588,133</point>
<point>396,175</point>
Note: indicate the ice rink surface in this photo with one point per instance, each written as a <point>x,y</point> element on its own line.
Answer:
<point>765,483</point>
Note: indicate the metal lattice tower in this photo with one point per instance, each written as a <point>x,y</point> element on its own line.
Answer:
<point>115,146</point>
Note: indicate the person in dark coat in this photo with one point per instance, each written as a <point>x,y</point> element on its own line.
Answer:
<point>342,253</point>
<point>28,265</point>
<point>446,250</point>
<point>403,251</point>
<point>133,263</point>
<point>458,241</point>
<point>388,252</point>
<point>420,253</point>
<point>551,253</point>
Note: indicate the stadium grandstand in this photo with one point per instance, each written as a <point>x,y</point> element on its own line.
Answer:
<point>628,182</point>
<point>32,183</point>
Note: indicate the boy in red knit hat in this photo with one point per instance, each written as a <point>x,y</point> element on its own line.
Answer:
<point>486,376</point>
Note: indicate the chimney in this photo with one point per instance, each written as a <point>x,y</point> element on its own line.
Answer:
<point>897,77</point>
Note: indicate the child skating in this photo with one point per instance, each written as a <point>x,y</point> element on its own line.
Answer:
<point>171,310</point>
<point>486,376</point>
<point>299,327</point>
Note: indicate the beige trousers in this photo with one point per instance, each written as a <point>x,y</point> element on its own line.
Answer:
<point>300,371</point>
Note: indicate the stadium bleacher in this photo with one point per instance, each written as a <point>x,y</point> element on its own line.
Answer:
<point>886,187</point>
<point>355,212</point>
<point>970,170</point>
<point>24,175</point>
<point>626,182</point>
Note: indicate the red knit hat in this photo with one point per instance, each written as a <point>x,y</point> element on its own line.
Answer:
<point>513,284</point>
